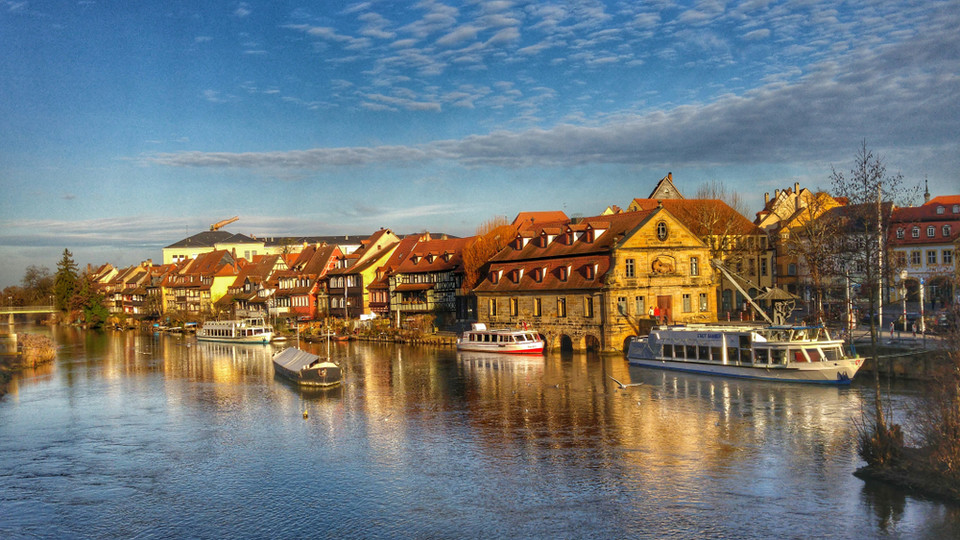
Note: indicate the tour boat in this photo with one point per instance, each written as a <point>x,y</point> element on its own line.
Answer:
<point>782,353</point>
<point>306,369</point>
<point>481,339</point>
<point>249,330</point>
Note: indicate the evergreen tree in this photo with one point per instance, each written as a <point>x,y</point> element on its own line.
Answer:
<point>90,302</point>
<point>65,281</point>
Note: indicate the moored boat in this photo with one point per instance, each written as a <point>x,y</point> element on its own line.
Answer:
<point>782,353</point>
<point>481,339</point>
<point>306,369</point>
<point>249,330</point>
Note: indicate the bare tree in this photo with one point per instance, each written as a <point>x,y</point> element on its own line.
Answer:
<point>811,240</point>
<point>859,249</point>
<point>492,236</point>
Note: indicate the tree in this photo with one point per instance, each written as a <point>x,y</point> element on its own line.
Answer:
<point>811,240</point>
<point>37,284</point>
<point>89,302</point>
<point>859,252</point>
<point>492,236</point>
<point>65,281</point>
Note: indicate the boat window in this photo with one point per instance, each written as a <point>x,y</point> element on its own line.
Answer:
<point>798,355</point>
<point>778,356</point>
<point>733,354</point>
<point>762,356</point>
<point>668,351</point>
<point>814,355</point>
<point>832,354</point>
<point>692,352</point>
<point>716,354</point>
<point>703,352</point>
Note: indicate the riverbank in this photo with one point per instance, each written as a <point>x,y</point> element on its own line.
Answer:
<point>32,351</point>
<point>913,472</point>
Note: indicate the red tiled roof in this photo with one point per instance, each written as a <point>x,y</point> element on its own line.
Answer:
<point>704,217</point>
<point>583,272</point>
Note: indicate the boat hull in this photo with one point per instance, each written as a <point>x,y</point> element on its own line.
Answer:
<point>317,376</point>
<point>841,372</point>
<point>261,338</point>
<point>501,349</point>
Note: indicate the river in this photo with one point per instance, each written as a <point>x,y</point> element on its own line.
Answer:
<point>157,436</point>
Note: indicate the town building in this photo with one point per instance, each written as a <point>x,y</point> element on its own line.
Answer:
<point>924,242</point>
<point>347,284</point>
<point>430,282</point>
<point>592,283</point>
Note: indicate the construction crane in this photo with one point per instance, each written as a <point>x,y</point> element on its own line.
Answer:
<point>220,224</point>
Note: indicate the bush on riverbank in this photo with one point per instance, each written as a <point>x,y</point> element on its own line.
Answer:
<point>934,466</point>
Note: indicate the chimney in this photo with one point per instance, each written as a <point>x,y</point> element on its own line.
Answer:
<point>670,176</point>
<point>796,188</point>
<point>776,194</point>
<point>766,198</point>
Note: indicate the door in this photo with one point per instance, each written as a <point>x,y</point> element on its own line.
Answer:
<point>665,303</point>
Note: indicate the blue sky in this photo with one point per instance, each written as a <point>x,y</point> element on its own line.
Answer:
<point>129,125</point>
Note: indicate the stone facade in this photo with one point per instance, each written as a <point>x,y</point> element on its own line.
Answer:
<point>591,284</point>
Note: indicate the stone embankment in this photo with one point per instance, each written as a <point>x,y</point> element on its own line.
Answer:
<point>903,361</point>
<point>21,352</point>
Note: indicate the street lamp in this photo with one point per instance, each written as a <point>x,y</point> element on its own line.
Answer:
<point>903,296</point>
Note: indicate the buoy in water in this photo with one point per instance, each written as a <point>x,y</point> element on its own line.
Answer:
<point>305,414</point>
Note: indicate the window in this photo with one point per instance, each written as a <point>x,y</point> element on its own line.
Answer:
<point>751,267</point>
<point>915,232</point>
<point>622,305</point>
<point>915,258</point>
<point>514,307</point>
<point>687,308</point>
<point>900,234</point>
<point>956,209</point>
<point>763,266</point>
<point>703,301</point>
<point>639,308</point>
<point>931,230</point>
<point>694,266</point>
<point>537,307</point>
<point>630,269</point>
<point>931,257</point>
<point>945,230</point>
<point>947,256</point>
<point>563,273</point>
<point>901,258</point>
<point>492,306</point>
<point>940,210</point>
<point>792,269</point>
<point>588,307</point>
<point>561,307</point>
<point>662,231</point>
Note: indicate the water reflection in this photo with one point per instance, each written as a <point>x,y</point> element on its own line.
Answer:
<point>425,442</point>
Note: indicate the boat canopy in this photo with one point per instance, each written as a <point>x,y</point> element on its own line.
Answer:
<point>294,359</point>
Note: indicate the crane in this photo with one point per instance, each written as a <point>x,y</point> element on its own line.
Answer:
<point>220,224</point>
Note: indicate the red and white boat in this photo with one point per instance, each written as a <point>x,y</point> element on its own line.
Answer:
<point>481,339</point>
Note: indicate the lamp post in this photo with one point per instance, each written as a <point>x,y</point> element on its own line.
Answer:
<point>903,296</point>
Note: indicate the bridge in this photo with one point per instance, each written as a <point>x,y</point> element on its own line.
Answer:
<point>17,310</point>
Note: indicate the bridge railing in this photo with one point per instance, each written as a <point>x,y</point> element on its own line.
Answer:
<point>27,309</point>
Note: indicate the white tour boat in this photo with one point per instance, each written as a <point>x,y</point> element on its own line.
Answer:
<point>782,353</point>
<point>481,339</point>
<point>249,330</point>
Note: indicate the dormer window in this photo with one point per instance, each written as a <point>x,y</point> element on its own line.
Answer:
<point>588,271</point>
<point>915,232</point>
<point>515,276</point>
<point>430,258</point>
<point>956,209</point>
<point>931,230</point>
<point>941,210</point>
<point>569,238</point>
<point>538,274</point>
<point>494,277</point>
<point>946,231</point>
<point>562,273</point>
<point>900,234</point>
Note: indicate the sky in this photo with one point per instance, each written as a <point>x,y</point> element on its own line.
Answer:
<point>127,126</point>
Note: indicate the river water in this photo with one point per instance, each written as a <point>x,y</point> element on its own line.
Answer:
<point>158,436</point>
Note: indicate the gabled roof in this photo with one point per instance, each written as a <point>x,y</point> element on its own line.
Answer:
<point>704,217</point>
<point>608,229</point>
<point>526,218</point>
<point>665,189</point>
<point>564,273</point>
<point>434,256</point>
<point>403,249</point>
<point>209,263</point>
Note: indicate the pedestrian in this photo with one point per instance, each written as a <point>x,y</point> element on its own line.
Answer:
<point>914,327</point>
<point>892,324</point>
